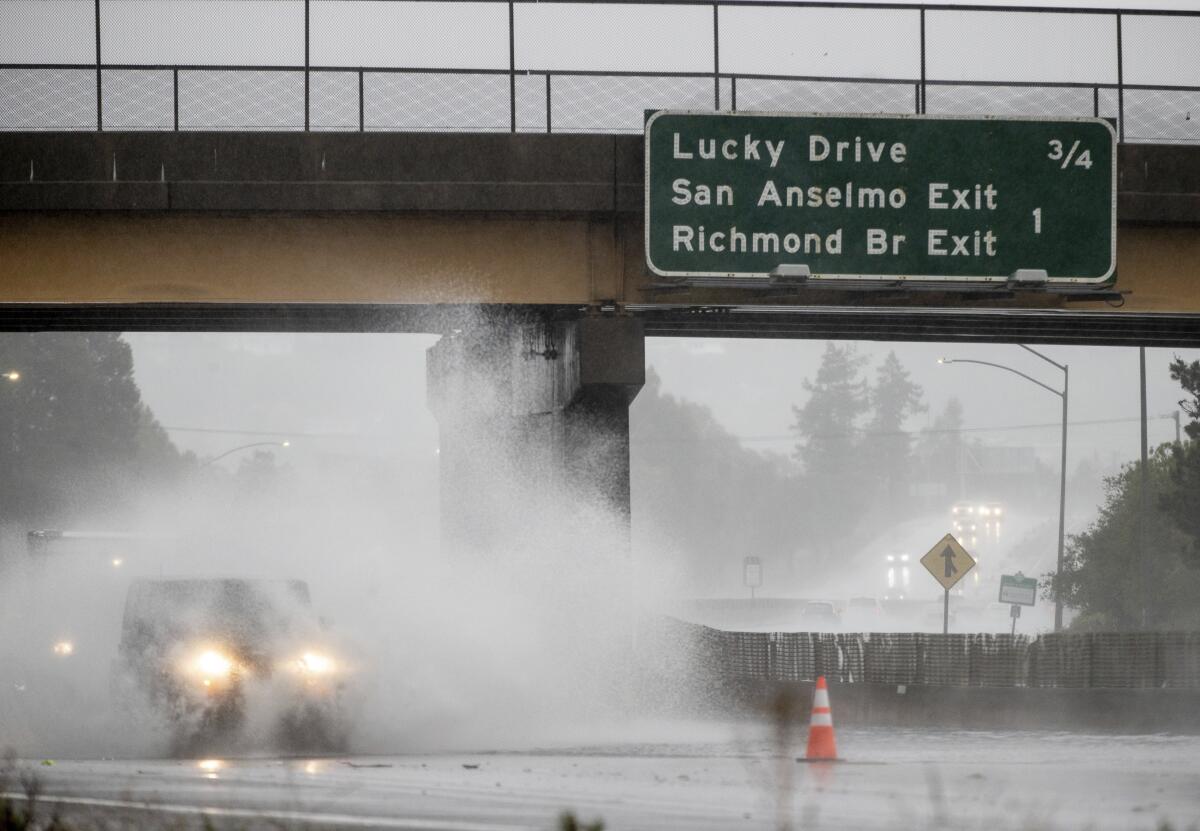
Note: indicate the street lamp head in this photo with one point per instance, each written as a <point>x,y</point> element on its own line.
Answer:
<point>13,375</point>
<point>285,444</point>
<point>944,360</point>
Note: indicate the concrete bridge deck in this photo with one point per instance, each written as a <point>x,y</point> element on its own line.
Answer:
<point>468,172</point>
<point>410,231</point>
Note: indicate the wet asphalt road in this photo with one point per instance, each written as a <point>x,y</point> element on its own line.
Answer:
<point>710,777</point>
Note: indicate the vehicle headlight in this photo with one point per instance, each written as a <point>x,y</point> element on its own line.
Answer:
<point>64,648</point>
<point>211,666</point>
<point>213,663</point>
<point>315,663</point>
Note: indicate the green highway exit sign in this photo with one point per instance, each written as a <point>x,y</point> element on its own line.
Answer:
<point>1018,589</point>
<point>880,197</point>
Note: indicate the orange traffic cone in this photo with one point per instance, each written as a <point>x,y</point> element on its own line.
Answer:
<point>821,744</point>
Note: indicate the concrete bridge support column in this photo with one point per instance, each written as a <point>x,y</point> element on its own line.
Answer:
<point>534,423</point>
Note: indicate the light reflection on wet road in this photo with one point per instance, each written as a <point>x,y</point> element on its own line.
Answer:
<point>727,776</point>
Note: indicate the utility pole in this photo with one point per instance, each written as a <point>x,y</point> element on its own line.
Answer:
<point>1144,501</point>
<point>962,468</point>
<point>1062,497</point>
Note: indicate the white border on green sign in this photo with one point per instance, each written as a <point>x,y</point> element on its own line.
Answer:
<point>998,278</point>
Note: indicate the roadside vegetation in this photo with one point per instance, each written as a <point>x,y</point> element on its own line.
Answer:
<point>79,441</point>
<point>1122,575</point>
<point>856,468</point>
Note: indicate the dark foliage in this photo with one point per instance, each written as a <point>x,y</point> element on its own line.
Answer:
<point>76,440</point>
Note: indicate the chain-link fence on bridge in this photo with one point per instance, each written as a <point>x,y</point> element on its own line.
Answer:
<point>569,66</point>
<point>1069,660</point>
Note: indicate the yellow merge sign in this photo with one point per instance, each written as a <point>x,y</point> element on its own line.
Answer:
<point>948,561</point>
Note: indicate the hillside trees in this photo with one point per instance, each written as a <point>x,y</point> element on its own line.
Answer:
<point>76,441</point>
<point>894,399</point>
<point>1109,577</point>
<point>705,500</point>
<point>1181,502</point>
<point>856,446</point>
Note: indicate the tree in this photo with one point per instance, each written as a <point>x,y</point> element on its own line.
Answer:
<point>827,423</point>
<point>76,441</point>
<point>894,399</point>
<point>941,449</point>
<point>258,473</point>
<point>704,500</point>
<point>830,448</point>
<point>1181,503</point>
<point>1107,578</point>
<point>1188,376</point>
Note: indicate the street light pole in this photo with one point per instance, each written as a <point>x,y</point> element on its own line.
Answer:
<point>207,462</point>
<point>1144,493</point>
<point>1062,506</point>
<point>1062,482</point>
<point>1062,488</point>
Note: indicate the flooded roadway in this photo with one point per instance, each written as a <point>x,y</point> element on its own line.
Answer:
<point>728,776</point>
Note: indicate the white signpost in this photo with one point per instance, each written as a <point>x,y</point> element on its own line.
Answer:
<point>752,576</point>
<point>1017,590</point>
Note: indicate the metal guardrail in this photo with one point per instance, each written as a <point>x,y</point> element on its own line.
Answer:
<point>488,93</point>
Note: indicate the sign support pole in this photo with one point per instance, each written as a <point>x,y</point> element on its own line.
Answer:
<point>948,562</point>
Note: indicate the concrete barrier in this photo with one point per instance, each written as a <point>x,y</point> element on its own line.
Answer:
<point>982,708</point>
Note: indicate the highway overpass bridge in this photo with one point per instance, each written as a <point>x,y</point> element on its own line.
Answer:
<point>405,231</point>
<point>523,251</point>
<point>475,170</point>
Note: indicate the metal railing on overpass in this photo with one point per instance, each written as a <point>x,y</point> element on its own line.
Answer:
<point>580,65</point>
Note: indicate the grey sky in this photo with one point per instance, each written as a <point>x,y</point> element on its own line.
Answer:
<point>751,385</point>
<point>801,41</point>
<point>364,395</point>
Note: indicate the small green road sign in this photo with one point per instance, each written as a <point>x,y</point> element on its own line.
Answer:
<point>752,574</point>
<point>880,197</point>
<point>1018,589</point>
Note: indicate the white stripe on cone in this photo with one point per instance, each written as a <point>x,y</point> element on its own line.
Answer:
<point>821,698</point>
<point>821,720</point>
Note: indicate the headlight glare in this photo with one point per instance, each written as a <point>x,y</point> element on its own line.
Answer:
<point>212,665</point>
<point>315,663</point>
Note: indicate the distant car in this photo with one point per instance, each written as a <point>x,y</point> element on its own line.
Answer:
<point>984,510</point>
<point>898,574</point>
<point>973,521</point>
<point>817,614</point>
<point>196,651</point>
